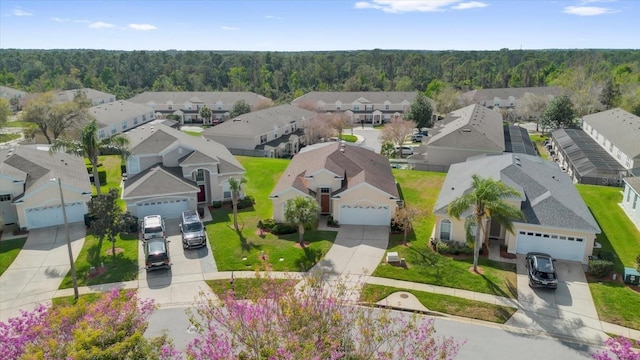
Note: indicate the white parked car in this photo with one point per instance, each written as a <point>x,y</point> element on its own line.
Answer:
<point>404,150</point>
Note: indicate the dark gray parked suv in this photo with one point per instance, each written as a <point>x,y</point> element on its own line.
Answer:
<point>192,229</point>
<point>542,270</point>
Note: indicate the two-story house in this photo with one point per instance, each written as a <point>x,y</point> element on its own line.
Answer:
<point>274,132</point>
<point>506,98</point>
<point>169,171</point>
<point>96,97</point>
<point>631,199</point>
<point>187,104</point>
<point>120,116</point>
<point>352,184</point>
<point>370,107</point>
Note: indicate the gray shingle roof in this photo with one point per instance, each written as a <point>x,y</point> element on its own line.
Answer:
<point>620,127</point>
<point>259,122</point>
<point>154,137</point>
<point>347,97</point>
<point>36,167</point>
<point>93,95</point>
<point>115,112</point>
<point>206,97</point>
<point>634,183</point>
<point>10,93</point>
<point>481,95</point>
<point>471,127</point>
<point>158,180</point>
<point>549,197</point>
<point>359,165</point>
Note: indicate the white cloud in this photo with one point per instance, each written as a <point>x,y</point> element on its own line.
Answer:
<point>142,27</point>
<point>57,19</point>
<point>273,17</point>
<point>402,6</point>
<point>469,5</point>
<point>587,10</point>
<point>20,12</point>
<point>229,28</point>
<point>101,25</point>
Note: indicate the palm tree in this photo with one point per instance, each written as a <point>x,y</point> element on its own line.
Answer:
<point>205,112</point>
<point>90,146</point>
<point>236,186</point>
<point>486,202</point>
<point>302,211</point>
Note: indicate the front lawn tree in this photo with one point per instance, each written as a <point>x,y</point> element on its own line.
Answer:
<point>405,216</point>
<point>485,202</point>
<point>206,113</point>
<point>107,219</point>
<point>397,130</point>
<point>420,111</point>
<point>90,146</point>
<point>235,185</point>
<point>339,121</point>
<point>5,111</point>
<point>302,211</point>
<point>560,113</point>
<point>53,119</point>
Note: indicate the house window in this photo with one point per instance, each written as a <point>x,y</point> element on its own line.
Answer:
<point>124,125</point>
<point>101,134</point>
<point>386,106</point>
<point>5,197</point>
<point>356,107</point>
<point>198,175</point>
<point>338,107</point>
<point>445,230</point>
<point>325,190</point>
<point>170,107</point>
<point>144,118</point>
<point>113,129</point>
<point>135,121</point>
<point>286,131</point>
<point>263,139</point>
<point>611,148</point>
<point>628,194</point>
<point>226,190</point>
<point>619,155</point>
<point>627,163</point>
<point>635,202</point>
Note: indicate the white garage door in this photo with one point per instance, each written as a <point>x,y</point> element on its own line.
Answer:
<point>558,246</point>
<point>168,208</point>
<point>52,215</point>
<point>365,215</point>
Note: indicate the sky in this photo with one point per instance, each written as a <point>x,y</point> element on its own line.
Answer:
<point>300,25</point>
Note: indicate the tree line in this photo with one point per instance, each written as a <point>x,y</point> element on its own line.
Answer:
<point>283,76</point>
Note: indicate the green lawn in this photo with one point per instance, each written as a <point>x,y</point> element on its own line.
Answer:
<point>9,250</point>
<point>110,164</point>
<point>8,137</point>
<point>614,302</point>
<point>193,133</point>
<point>421,189</point>
<point>121,267</point>
<point>537,139</point>
<point>349,138</point>
<point>444,304</point>
<point>19,124</point>
<point>244,251</point>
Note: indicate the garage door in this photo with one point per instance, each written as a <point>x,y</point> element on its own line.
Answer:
<point>52,215</point>
<point>168,208</point>
<point>558,246</point>
<point>365,215</point>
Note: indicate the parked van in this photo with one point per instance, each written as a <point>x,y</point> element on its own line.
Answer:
<point>192,229</point>
<point>405,150</point>
<point>153,227</point>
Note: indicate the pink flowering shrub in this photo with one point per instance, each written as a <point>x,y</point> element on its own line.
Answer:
<point>314,320</point>
<point>621,347</point>
<point>110,328</point>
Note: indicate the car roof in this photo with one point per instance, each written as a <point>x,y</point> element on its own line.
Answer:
<point>153,219</point>
<point>543,262</point>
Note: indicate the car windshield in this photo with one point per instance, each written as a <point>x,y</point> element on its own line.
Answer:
<point>192,227</point>
<point>544,264</point>
<point>153,229</point>
<point>156,247</point>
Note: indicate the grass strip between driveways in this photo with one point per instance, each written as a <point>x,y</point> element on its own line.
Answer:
<point>9,250</point>
<point>444,303</point>
<point>616,303</point>
<point>538,139</point>
<point>121,267</point>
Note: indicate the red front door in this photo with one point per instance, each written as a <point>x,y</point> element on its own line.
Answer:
<point>202,196</point>
<point>324,204</point>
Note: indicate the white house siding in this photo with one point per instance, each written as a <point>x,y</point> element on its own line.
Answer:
<point>631,204</point>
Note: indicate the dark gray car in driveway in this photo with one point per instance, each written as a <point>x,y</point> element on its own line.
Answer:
<point>541,269</point>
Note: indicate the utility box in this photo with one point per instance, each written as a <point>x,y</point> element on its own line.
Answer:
<point>631,276</point>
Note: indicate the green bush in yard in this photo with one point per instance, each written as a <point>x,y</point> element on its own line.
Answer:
<point>247,202</point>
<point>600,268</point>
<point>283,229</point>
<point>216,204</point>
<point>266,224</point>
<point>453,247</point>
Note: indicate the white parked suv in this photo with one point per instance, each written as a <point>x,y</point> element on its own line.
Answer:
<point>153,227</point>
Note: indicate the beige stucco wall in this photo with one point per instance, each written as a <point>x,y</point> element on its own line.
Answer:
<point>364,194</point>
<point>48,195</point>
<point>324,178</point>
<point>278,203</point>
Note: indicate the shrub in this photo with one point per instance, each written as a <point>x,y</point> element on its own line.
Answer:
<point>129,223</point>
<point>453,247</point>
<point>266,224</point>
<point>600,268</point>
<point>247,202</point>
<point>331,221</point>
<point>396,227</point>
<point>283,229</point>
<point>216,204</point>
<point>638,260</point>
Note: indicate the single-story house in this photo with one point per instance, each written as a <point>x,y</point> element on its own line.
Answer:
<point>169,171</point>
<point>556,222</point>
<point>631,199</point>
<point>469,131</point>
<point>29,189</point>
<point>352,184</point>
<point>273,132</point>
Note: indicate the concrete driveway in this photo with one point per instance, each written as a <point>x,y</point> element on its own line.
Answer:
<point>568,310</point>
<point>182,284</point>
<point>38,270</point>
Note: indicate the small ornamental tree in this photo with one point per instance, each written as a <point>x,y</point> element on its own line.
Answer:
<point>107,223</point>
<point>302,211</point>
<point>420,111</point>
<point>235,185</point>
<point>110,328</point>
<point>559,113</point>
<point>621,347</point>
<point>311,320</point>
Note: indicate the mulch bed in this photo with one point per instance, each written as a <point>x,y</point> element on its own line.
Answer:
<point>109,251</point>
<point>304,245</point>
<point>97,272</point>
